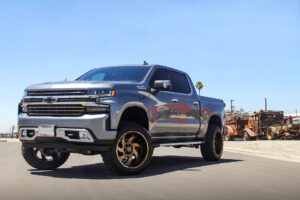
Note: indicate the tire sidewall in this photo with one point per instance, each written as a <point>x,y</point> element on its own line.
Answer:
<point>215,131</point>
<point>131,127</point>
<point>30,158</point>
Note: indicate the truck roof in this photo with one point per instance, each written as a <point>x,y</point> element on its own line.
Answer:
<point>149,65</point>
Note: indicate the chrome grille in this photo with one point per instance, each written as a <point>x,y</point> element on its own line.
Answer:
<point>57,93</point>
<point>30,100</point>
<point>76,100</point>
<point>56,110</point>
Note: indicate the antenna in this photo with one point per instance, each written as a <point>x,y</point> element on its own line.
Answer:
<point>231,102</point>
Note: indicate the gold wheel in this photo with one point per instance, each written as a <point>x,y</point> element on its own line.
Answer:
<point>132,149</point>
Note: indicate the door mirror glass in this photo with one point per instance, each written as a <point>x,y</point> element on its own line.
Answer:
<point>162,85</point>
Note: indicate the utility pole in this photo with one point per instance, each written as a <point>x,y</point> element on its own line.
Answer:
<point>266,104</point>
<point>12,131</point>
<point>231,102</point>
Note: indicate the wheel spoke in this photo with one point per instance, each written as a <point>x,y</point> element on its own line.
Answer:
<point>120,149</point>
<point>131,139</point>
<point>136,153</point>
<point>123,142</point>
<point>36,150</point>
<point>129,161</point>
<point>122,157</point>
<point>136,145</point>
<point>43,156</point>
<point>131,148</point>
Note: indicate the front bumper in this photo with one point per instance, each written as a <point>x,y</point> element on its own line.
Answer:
<point>95,125</point>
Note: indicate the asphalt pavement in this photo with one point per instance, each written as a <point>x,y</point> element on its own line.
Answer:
<point>173,174</point>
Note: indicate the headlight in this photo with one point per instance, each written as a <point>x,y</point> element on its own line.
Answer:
<point>21,108</point>
<point>102,92</point>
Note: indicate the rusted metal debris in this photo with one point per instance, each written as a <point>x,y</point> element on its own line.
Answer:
<point>269,125</point>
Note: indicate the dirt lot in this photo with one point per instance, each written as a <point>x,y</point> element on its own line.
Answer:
<point>278,149</point>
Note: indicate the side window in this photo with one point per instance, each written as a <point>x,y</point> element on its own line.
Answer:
<point>160,74</point>
<point>180,83</point>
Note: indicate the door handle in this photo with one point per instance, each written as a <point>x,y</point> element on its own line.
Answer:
<point>196,103</point>
<point>175,100</point>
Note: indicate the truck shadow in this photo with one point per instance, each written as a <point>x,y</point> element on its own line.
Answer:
<point>159,165</point>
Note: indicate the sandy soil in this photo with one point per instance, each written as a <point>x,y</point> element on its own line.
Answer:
<point>9,140</point>
<point>288,150</point>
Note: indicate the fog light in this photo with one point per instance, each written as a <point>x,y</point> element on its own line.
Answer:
<point>72,135</point>
<point>83,135</point>
<point>30,133</point>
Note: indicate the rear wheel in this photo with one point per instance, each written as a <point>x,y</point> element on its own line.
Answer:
<point>271,134</point>
<point>246,137</point>
<point>131,152</point>
<point>44,159</point>
<point>212,149</point>
<point>229,137</point>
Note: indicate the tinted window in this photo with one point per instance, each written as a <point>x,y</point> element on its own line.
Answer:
<point>160,74</point>
<point>132,74</point>
<point>180,83</point>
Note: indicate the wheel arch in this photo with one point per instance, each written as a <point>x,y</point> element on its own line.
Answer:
<point>136,114</point>
<point>215,120</point>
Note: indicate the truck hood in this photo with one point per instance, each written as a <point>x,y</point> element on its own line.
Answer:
<point>78,85</point>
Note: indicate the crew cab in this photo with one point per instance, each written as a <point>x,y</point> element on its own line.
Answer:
<point>121,113</point>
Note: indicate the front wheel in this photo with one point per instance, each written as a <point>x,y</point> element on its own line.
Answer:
<point>131,152</point>
<point>212,149</point>
<point>247,137</point>
<point>44,159</point>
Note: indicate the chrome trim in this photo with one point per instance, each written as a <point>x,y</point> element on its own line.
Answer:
<point>180,143</point>
<point>36,130</point>
<point>174,137</point>
<point>95,123</point>
<point>61,133</point>
<point>61,97</point>
<point>53,109</point>
<point>56,98</point>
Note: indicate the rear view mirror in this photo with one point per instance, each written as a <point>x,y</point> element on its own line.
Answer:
<point>162,84</point>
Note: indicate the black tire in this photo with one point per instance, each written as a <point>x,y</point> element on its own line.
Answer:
<point>212,149</point>
<point>39,158</point>
<point>271,134</point>
<point>229,137</point>
<point>129,156</point>
<point>247,137</point>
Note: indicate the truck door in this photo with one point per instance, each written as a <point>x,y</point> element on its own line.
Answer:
<point>185,108</point>
<point>161,110</point>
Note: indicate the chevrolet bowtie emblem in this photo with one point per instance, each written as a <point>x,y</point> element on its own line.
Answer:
<point>49,100</point>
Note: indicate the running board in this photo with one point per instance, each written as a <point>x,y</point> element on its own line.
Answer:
<point>178,144</point>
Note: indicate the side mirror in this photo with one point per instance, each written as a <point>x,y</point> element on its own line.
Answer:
<point>162,85</point>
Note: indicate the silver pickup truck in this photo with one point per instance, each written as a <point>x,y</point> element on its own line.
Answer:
<point>120,112</point>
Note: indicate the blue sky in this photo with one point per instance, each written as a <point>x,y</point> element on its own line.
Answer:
<point>241,50</point>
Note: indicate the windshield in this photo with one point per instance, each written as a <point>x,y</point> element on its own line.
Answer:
<point>132,74</point>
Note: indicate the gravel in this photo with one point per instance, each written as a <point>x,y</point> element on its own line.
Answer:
<point>279,149</point>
